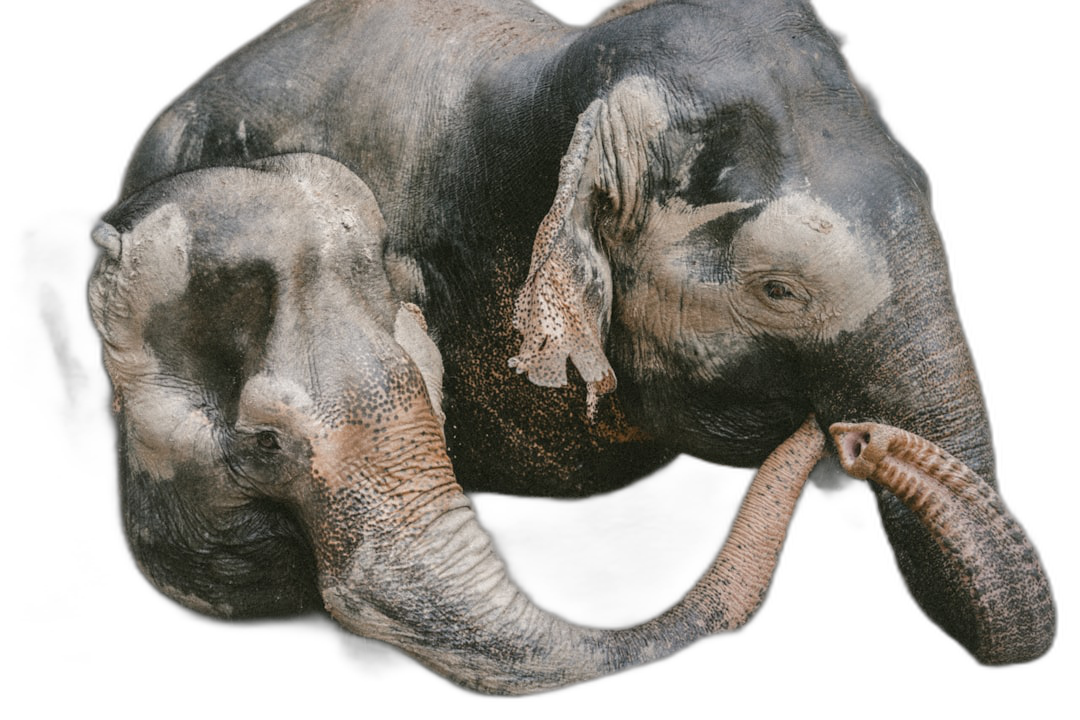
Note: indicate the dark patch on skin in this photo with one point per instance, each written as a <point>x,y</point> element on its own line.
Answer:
<point>736,415</point>
<point>248,561</point>
<point>709,254</point>
<point>739,158</point>
<point>213,334</point>
<point>242,141</point>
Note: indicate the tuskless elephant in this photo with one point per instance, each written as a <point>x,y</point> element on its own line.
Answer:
<point>282,441</point>
<point>693,206</point>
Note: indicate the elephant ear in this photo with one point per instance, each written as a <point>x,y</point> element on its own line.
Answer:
<point>411,333</point>
<point>165,429</point>
<point>141,264</point>
<point>564,308</point>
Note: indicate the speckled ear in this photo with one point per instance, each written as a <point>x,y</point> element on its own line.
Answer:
<point>565,305</point>
<point>411,333</point>
<point>564,308</point>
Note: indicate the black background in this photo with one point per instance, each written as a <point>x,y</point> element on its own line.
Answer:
<point>972,98</point>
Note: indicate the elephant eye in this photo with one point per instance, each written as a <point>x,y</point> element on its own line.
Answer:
<point>783,295</point>
<point>775,290</point>
<point>268,440</point>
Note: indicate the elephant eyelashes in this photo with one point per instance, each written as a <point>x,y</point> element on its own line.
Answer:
<point>268,440</point>
<point>784,297</point>
<point>778,291</point>
<point>256,453</point>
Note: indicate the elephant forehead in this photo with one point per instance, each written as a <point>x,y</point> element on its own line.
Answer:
<point>284,227</point>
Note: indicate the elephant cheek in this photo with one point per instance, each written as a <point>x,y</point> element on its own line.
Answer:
<point>668,314</point>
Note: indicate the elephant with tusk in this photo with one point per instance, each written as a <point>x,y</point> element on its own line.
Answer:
<point>690,203</point>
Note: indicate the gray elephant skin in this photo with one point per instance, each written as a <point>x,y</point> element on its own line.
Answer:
<point>691,204</point>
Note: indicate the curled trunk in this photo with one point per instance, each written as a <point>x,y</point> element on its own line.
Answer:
<point>986,554</point>
<point>964,558</point>
<point>445,596</point>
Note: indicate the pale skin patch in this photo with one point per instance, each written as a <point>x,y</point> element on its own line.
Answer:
<point>800,270</point>
<point>142,268</point>
<point>829,268</point>
<point>157,252</point>
<point>400,480</point>
<point>146,266</point>
<point>269,400</point>
<point>346,229</point>
<point>381,468</point>
<point>631,120</point>
<point>166,429</point>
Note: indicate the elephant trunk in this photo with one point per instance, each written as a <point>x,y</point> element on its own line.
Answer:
<point>967,562</point>
<point>985,552</point>
<point>437,589</point>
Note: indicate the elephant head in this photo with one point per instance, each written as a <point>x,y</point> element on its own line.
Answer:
<point>281,440</point>
<point>737,239</point>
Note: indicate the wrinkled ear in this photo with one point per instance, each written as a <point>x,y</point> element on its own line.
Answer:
<point>165,426</point>
<point>564,308</point>
<point>136,269</point>
<point>411,333</point>
<point>565,305</point>
<point>166,435</point>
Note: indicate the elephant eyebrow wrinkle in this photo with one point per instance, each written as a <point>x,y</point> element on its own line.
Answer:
<point>709,247</point>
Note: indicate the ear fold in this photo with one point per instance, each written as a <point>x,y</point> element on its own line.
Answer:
<point>411,333</point>
<point>135,270</point>
<point>564,308</point>
<point>566,299</point>
<point>165,426</point>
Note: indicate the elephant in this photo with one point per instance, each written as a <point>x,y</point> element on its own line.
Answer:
<point>282,441</point>
<point>690,203</point>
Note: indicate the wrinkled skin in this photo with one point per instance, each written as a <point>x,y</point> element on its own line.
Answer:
<point>282,437</point>
<point>690,202</point>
